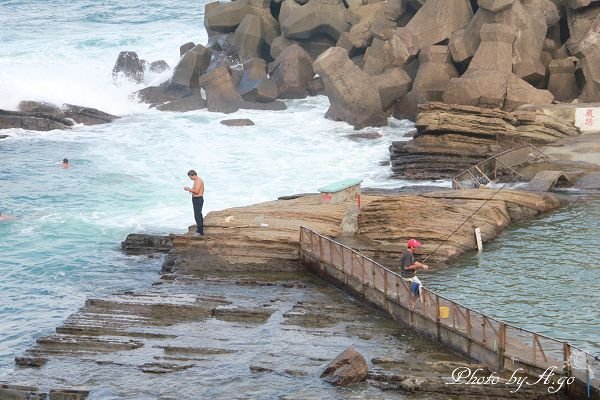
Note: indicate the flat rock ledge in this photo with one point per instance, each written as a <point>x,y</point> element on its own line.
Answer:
<point>40,116</point>
<point>265,236</point>
<point>18,392</point>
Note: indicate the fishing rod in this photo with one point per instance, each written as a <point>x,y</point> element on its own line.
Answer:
<point>464,222</point>
<point>176,177</point>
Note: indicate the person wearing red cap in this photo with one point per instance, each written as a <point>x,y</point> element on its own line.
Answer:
<point>408,267</point>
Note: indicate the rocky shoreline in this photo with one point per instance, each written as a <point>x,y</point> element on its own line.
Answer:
<point>233,278</point>
<point>478,77</point>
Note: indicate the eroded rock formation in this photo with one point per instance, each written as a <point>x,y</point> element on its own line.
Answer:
<point>452,138</point>
<point>41,116</point>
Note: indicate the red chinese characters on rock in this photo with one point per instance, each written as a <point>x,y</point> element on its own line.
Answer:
<point>589,117</point>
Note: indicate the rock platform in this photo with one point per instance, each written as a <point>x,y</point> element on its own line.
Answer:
<point>224,301</point>
<point>265,236</point>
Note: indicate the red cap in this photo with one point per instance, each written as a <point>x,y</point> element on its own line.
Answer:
<point>413,243</point>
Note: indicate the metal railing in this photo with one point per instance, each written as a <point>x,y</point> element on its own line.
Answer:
<point>510,344</point>
<point>501,164</point>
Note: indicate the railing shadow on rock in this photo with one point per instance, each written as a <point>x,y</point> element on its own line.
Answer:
<point>485,339</point>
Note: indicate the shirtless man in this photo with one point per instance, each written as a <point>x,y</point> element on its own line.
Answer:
<point>197,192</point>
<point>7,217</point>
<point>65,163</point>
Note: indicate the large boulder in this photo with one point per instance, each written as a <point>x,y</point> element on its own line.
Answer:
<point>254,84</point>
<point>129,65</point>
<point>161,94</point>
<point>221,94</point>
<point>528,20</point>
<point>226,17</point>
<point>378,56</point>
<point>489,81</point>
<point>316,17</point>
<point>432,24</point>
<point>292,71</point>
<point>372,21</point>
<point>348,368</point>
<point>185,47</point>
<point>247,40</point>
<point>316,45</point>
<point>194,63</point>
<point>158,66</point>
<point>584,26</point>
<point>392,84</point>
<point>355,96</point>
<point>436,70</point>
<point>562,82</point>
<point>589,66</point>
<point>581,23</point>
<point>189,103</point>
<point>279,44</point>
<point>352,98</point>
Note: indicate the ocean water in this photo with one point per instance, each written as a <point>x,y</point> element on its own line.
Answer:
<point>128,176</point>
<point>541,275</point>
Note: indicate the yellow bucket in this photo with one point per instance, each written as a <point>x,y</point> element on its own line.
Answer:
<point>444,312</point>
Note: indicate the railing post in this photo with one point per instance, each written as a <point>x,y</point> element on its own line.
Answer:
<point>567,363</point>
<point>469,336</point>
<point>301,242</point>
<point>321,256</point>
<point>385,280</point>
<point>483,325</point>
<point>437,317</point>
<point>331,253</point>
<point>534,349</point>
<point>362,265</point>
<point>501,345</point>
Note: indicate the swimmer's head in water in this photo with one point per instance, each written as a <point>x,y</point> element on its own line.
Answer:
<point>191,173</point>
<point>65,160</point>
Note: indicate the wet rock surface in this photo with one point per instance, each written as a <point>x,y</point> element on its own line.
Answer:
<point>237,122</point>
<point>348,368</point>
<point>41,116</point>
<point>138,342</point>
<point>136,243</point>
